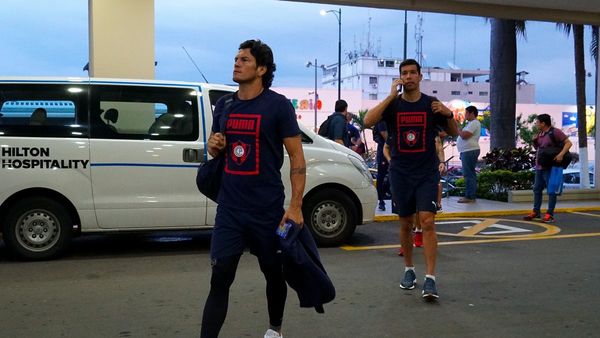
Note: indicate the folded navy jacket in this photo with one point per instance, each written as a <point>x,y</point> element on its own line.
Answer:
<point>303,270</point>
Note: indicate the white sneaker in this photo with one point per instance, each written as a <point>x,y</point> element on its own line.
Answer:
<point>272,334</point>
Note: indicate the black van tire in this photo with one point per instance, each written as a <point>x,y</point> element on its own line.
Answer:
<point>37,228</point>
<point>330,216</point>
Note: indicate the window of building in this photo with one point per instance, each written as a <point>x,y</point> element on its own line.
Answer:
<point>435,91</point>
<point>455,92</point>
<point>380,63</point>
<point>470,93</point>
<point>483,93</point>
<point>372,80</point>
<point>372,96</point>
<point>390,63</point>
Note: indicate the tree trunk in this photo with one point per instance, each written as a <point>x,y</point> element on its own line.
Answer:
<point>503,95</point>
<point>580,92</point>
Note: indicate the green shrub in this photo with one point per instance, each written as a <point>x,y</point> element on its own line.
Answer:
<point>495,185</point>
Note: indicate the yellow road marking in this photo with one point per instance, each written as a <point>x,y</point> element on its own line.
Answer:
<point>476,241</point>
<point>550,229</point>
<point>585,214</point>
<point>478,227</point>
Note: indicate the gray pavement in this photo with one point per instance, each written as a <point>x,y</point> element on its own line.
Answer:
<point>483,207</point>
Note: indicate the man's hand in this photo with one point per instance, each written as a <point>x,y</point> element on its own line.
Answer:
<point>440,108</point>
<point>216,144</point>
<point>294,214</point>
<point>395,91</point>
<point>442,168</point>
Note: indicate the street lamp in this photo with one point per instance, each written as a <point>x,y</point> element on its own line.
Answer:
<point>310,64</point>
<point>338,16</point>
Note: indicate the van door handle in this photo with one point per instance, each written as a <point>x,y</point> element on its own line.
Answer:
<point>193,155</point>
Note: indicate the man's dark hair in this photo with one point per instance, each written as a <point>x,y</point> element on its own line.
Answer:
<point>472,110</point>
<point>340,106</point>
<point>264,57</point>
<point>410,62</point>
<point>545,118</point>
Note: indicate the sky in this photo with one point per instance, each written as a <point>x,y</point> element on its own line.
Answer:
<point>51,39</point>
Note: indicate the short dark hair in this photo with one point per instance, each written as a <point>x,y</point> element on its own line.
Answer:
<point>410,62</point>
<point>545,118</point>
<point>472,110</point>
<point>264,57</point>
<point>340,106</point>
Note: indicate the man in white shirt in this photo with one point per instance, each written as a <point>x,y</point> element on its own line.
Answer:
<point>468,146</point>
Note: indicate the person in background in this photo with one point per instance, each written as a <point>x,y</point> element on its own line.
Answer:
<point>354,140</point>
<point>548,136</point>
<point>468,146</point>
<point>380,135</point>
<point>337,130</point>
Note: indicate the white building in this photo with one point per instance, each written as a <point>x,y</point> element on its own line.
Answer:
<point>373,76</point>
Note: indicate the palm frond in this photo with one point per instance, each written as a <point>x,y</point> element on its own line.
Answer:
<point>594,43</point>
<point>520,28</point>
<point>565,27</point>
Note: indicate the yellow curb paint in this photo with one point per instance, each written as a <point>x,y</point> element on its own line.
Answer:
<point>477,241</point>
<point>585,214</point>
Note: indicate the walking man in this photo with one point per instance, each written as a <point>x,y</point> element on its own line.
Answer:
<point>413,121</point>
<point>251,133</point>
<point>468,146</point>
<point>547,137</point>
<point>380,135</point>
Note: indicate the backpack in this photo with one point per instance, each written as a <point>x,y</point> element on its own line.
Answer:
<point>324,127</point>
<point>546,155</point>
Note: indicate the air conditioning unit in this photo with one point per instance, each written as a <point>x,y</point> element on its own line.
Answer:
<point>374,85</point>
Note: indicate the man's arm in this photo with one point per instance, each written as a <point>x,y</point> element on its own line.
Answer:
<point>439,108</point>
<point>375,114</point>
<point>293,145</point>
<point>216,143</point>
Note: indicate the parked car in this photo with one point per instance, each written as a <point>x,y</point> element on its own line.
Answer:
<point>108,155</point>
<point>571,179</point>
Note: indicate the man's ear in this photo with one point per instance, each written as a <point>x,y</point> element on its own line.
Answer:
<point>262,70</point>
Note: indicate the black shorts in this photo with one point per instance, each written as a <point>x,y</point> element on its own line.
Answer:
<point>411,193</point>
<point>237,229</point>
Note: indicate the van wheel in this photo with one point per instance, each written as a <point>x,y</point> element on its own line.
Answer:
<point>330,217</point>
<point>37,228</point>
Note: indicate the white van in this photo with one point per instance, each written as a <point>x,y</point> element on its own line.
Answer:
<point>105,155</point>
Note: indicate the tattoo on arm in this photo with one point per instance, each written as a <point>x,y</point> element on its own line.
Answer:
<point>298,171</point>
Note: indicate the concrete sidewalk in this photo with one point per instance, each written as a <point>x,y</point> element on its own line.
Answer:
<point>483,208</point>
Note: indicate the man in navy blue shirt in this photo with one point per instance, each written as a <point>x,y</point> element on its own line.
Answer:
<point>251,133</point>
<point>337,130</point>
<point>413,119</point>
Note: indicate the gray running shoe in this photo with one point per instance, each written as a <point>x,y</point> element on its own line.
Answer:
<point>409,281</point>
<point>429,289</point>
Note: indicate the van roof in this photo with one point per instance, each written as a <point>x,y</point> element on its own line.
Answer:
<point>97,80</point>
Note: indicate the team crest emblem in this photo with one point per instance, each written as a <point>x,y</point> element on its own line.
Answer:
<point>240,151</point>
<point>411,137</point>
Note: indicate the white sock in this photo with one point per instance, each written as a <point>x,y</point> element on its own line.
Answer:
<point>430,276</point>
<point>418,230</point>
<point>409,268</point>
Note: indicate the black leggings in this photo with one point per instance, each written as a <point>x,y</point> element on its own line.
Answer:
<point>223,274</point>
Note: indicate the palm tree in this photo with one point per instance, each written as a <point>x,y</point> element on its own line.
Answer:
<point>580,94</point>
<point>503,69</point>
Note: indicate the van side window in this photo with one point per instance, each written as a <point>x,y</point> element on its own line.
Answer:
<point>48,110</point>
<point>137,112</point>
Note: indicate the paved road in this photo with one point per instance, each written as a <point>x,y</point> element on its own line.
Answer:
<point>544,283</point>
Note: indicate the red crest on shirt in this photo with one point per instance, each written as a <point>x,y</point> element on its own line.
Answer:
<point>410,137</point>
<point>239,152</point>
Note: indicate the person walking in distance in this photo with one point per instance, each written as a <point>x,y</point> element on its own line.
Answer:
<point>252,133</point>
<point>380,135</point>
<point>547,137</point>
<point>413,121</point>
<point>468,146</point>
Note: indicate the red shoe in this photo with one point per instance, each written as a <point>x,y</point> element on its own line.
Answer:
<point>532,215</point>
<point>400,252</point>
<point>418,239</point>
<point>548,218</point>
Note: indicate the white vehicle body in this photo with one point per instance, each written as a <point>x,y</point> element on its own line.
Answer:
<point>123,156</point>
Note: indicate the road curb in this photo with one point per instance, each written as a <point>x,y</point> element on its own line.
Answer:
<point>487,213</point>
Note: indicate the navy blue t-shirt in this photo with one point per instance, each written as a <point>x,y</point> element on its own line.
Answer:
<point>338,127</point>
<point>254,132</point>
<point>412,127</point>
